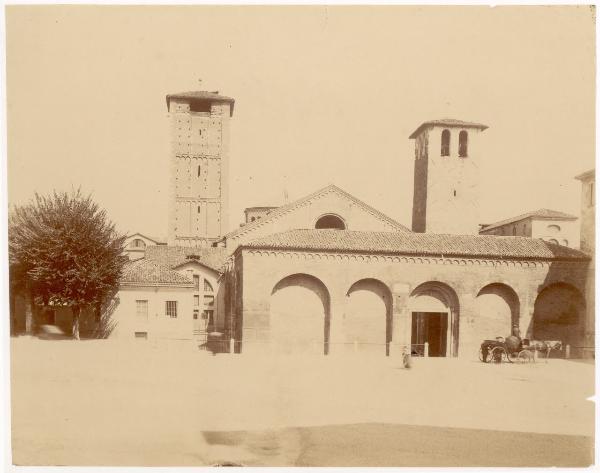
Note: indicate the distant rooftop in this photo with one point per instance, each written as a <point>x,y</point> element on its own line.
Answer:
<point>586,175</point>
<point>540,213</point>
<point>449,122</point>
<point>201,95</point>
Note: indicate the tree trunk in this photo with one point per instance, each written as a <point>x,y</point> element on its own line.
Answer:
<point>13,315</point>
<point>28,312</point>
<point>76,311</point>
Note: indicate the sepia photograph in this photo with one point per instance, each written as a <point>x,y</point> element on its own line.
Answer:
<point>299,236</point>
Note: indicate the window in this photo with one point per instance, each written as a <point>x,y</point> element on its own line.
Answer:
<point>454,192</point>
<point>196,301</point>
<point>565,242</point>
<point>552,240</point>
<point>208,315</point>
<point>209,300</point>
<point>137,243</point>
<point>196,282</point>
<point>253,219</point>
<point>202,106</point>
<point>553,229</point>
<point>141,335</point>
<point>199,170</point>
<point>330,222</point>
<point>171,309</point>
<point>207,286</point>
<point>463,138</point>
<point>515,231</point>
<point>141,309</point>
<point>195,314</point>
<point>445,143</point>
<point>198,209</point>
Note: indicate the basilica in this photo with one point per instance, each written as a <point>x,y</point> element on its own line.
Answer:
<point>328,274</point>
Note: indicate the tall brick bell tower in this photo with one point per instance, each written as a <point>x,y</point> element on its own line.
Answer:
<point>199,167</point>
<point>446,182</point>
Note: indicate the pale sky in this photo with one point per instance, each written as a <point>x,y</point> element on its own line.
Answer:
<point>323,95</point>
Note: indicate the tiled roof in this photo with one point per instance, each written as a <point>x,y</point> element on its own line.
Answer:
<point>288,207</point>
<point>201,95</point>
<point>449,122</point>
<point>173,256</point>
<point>586,175</point>
<point>143,272</point>
<point>158,241</point>
<point>417,244</point>
<point>540,213</point>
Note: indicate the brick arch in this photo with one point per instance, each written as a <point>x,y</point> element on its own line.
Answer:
<point>299,313</point>
<point>498,311</point>
<point>437,296</point>
<point>368,316</point>
<point>559,313</point>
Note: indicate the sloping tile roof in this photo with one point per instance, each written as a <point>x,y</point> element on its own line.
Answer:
<point>143,272</point>
<point>586,175</point>
<point>201,95</point>
<point>279,211</point>
<point>158,241</point>
<point>540,213</point>
<point>449,122</point>
<point>173,256</point>
<point>417,244</point>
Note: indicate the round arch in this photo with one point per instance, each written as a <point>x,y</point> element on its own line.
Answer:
<point>299,315</point>
<point>367,320</point>
<point>435,317</point>
<point>330,221</point>
<point>558,313</point>
<point>498,310</point>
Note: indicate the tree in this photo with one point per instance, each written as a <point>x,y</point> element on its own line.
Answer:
<point>65,251</point>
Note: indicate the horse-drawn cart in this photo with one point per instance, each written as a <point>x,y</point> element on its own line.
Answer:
<point>515,350</point>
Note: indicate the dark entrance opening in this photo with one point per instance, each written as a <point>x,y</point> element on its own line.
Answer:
<point>430,327</point>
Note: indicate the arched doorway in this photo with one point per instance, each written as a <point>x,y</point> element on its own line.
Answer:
<point>496,313</point>
<point>366,323</point>
<point>299,315</point>
<point>435,315</point>
<point>330,221</point>
<point>557,314</point>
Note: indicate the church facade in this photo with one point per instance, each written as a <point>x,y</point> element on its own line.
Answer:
<point>329,274</point>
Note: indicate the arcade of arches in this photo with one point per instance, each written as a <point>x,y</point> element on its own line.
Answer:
<point>291,307</point>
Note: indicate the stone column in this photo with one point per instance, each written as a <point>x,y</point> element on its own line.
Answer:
<point>401,319</point>
<point>337,308</point>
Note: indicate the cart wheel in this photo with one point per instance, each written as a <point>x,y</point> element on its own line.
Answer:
<point>525,356</point>
<point>497,354</point>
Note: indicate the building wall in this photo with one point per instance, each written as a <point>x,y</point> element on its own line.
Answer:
<point>157,325</point>
<point>254,213</point>
<point>465,277</point>
<point>306,215</point>
<point>588,244</point>
<point>446,196</point>
<point>198,212</point>
<point>564,232</point>
<point>206,300</point>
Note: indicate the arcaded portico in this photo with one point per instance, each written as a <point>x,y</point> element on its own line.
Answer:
<point>330,291</point>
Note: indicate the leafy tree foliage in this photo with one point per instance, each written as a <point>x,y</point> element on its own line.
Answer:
<point>65,250</point>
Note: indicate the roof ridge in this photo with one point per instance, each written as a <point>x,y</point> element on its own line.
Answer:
<point>530,214</point>
<point>280,211</point>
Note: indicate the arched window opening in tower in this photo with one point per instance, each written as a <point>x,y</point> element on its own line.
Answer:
<point>199,170</point>
<point>330,222</point>
<point>446,143</point>
<point>463,138</point>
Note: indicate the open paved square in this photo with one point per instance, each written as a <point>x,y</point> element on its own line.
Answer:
<point>98,403</point>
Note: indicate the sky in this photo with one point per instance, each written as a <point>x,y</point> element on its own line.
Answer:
<point>323,95</point>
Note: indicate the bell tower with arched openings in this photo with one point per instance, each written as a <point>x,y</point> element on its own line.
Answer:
<point>199,164</point>
<point>446,182</point>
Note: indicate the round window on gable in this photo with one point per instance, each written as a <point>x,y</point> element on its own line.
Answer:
<point>330,221</point>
